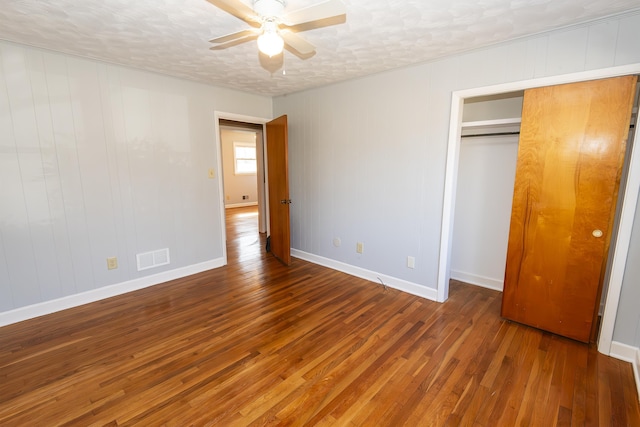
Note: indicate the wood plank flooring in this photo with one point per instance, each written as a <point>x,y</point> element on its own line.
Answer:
<point>255,344</point>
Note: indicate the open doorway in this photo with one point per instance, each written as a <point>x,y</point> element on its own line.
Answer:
<point>243,185</point>
<point>272,175</point>
<point>239,143</point>
<point>239,164</point>
<point>242,151</point>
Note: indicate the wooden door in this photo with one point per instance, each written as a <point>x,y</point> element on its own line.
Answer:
<point>570,155</point>
<point>278,177</point>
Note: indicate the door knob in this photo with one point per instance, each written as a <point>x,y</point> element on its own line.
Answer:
<point>285,201</point>
<point>596,233</point>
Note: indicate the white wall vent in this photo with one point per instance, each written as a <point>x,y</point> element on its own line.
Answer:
<point>152,259</point>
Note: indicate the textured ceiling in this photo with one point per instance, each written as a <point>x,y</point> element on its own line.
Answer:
<point>171,36</point>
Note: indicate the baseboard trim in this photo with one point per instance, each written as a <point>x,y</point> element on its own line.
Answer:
<point>475,279</point>
<point>59,304</point>
<point>240,205</point>
<point>628,354</point>
<point>392,282</point>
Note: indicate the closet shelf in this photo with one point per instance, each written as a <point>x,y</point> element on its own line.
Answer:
<point>497,123</point>
<point>497,127</point>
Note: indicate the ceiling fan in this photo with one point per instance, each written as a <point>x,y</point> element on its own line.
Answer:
<point>273,28</point>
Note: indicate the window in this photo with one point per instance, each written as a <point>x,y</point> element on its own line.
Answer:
<point>244,158</point>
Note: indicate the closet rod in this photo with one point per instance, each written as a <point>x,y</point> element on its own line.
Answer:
<point>474,135</point>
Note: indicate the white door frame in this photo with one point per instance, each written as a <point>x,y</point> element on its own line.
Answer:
<point>218,147</point>
<point>627,210</point>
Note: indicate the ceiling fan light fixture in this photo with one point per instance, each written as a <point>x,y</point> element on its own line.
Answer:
<point>277,29</point>
<point>270,43</point>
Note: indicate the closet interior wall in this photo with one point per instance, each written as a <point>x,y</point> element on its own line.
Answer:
<point>486,173</point>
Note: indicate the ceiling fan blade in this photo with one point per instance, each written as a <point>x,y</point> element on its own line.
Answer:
<point>297,42</point>
<point>234,42</point>
<point>324,10</point>
<point>233,36</point>
<point>239,10</point>
<point>319,23</point>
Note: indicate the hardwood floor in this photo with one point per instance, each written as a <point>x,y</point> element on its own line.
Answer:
<point>256,343</point>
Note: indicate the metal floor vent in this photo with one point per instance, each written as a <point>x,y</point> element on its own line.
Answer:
<point>152,259</point>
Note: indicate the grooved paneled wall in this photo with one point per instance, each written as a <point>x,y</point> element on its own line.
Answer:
<point>101,161</point>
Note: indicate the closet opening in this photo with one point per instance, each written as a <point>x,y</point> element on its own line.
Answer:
<point>474,98</point>
<point>486,172</point>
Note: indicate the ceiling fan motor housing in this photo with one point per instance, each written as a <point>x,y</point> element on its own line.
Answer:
<point>269,8</point>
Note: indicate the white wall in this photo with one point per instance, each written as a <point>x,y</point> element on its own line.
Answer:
<point>235,186</point>
<point>367,156</point>
<point>627,328</point>
<point>96,161</point>
<point>486,176</point>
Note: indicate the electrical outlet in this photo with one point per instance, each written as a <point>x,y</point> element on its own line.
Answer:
<point>337,242</point>
<point>112,263</point>
<point>411,262</point>
<point>360,247</point>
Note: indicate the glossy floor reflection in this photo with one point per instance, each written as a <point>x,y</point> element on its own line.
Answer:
<point>244,242</point>
<point>255,343</point>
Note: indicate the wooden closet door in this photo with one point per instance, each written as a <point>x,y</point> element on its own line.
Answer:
<point>570,155</point>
